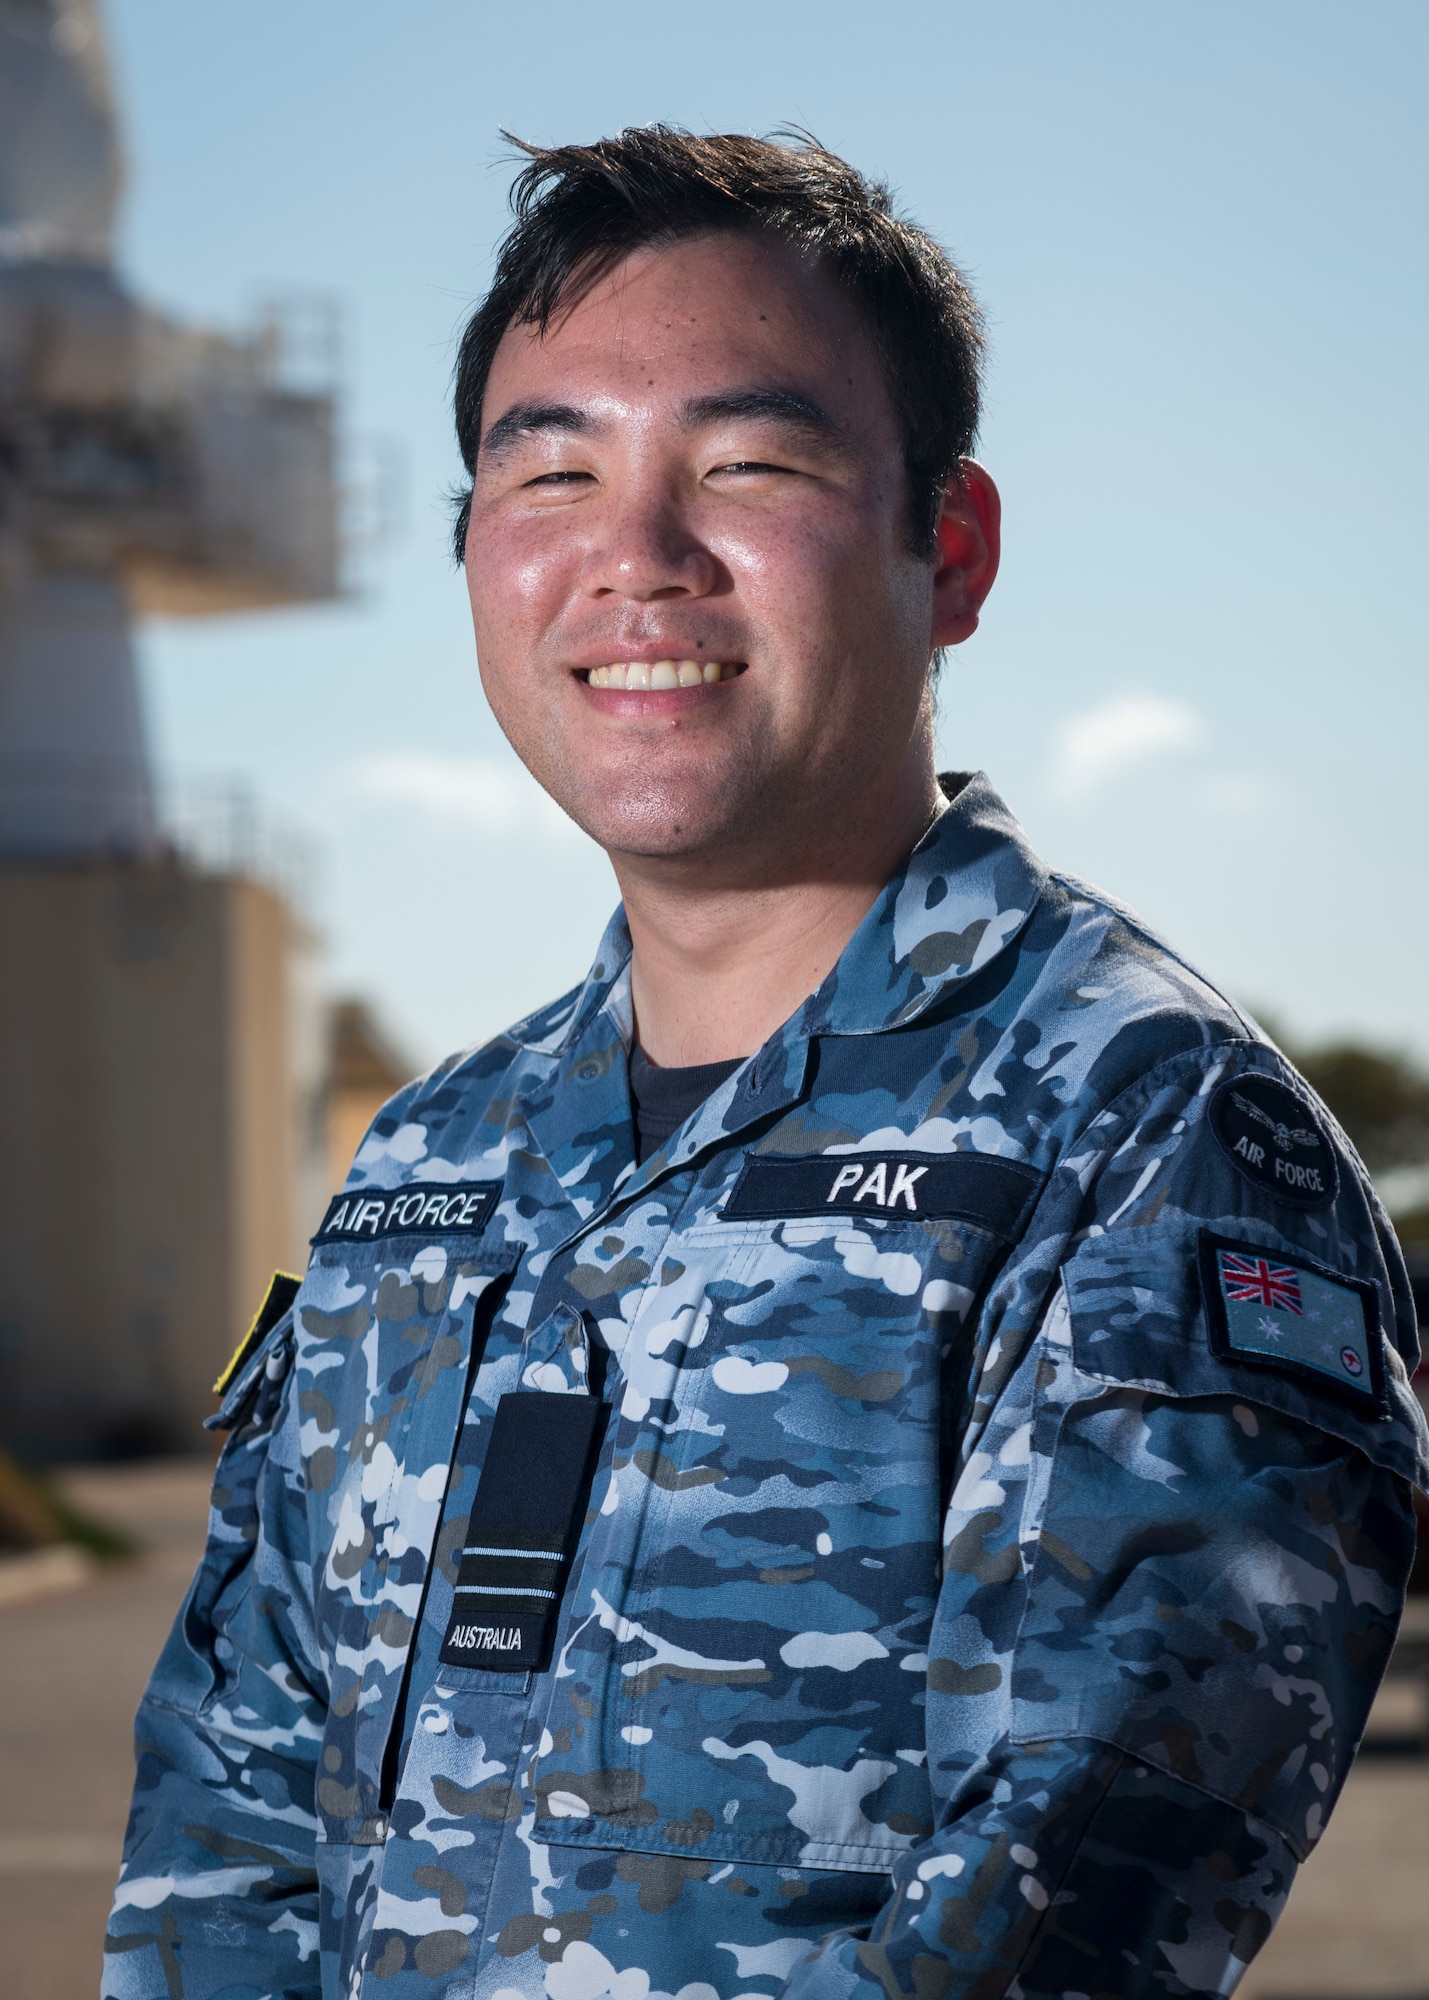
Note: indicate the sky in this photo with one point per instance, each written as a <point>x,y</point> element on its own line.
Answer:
<point>1199,237</point>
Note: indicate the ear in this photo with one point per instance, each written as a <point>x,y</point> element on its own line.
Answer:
<point>969,550</point>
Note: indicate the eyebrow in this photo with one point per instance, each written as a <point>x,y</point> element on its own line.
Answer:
<point>767,404</point>
<point>523,419</point>
<point>762,402</point>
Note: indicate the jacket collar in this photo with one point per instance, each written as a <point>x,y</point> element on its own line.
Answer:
<point>965,892</point>
<point>960,899</point>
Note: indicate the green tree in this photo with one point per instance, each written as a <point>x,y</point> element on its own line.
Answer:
<point>1382,1099</point>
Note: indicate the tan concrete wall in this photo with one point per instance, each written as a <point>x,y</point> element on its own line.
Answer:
<point>149,1145</point>
<point>349,1113</point>
<point>262,1148</point>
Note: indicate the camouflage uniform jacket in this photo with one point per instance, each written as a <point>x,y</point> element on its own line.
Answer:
<point>995,1537</point>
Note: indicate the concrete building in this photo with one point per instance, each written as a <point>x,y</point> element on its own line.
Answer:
<point>363,1070</point>
<point>159,1082</point>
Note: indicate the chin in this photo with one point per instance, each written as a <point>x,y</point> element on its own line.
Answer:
<point>652,840</point>
<point>651,824</point>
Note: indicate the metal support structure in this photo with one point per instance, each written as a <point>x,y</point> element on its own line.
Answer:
<point>144,466</point>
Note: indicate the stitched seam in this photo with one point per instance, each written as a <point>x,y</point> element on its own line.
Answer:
<point>1055,1889</point>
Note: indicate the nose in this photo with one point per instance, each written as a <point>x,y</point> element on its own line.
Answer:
<point>651,552</point>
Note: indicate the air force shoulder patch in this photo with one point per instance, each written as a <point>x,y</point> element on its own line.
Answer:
<point>1273,1139</point>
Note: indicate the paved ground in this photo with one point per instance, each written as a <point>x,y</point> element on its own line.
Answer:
<point>73,1662</point>
<point>72,1668</point>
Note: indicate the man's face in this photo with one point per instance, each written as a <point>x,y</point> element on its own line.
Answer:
<point>699,465</point>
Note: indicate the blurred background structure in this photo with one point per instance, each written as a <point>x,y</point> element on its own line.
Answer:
<point>1161,686</point>
<point>164,1072</point>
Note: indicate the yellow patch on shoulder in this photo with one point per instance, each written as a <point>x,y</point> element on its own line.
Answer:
<point>283,1288</point>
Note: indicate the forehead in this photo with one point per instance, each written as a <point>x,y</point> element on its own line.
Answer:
<point>691,317</point>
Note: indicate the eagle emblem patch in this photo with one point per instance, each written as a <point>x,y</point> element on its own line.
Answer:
<point>1274,1141</point>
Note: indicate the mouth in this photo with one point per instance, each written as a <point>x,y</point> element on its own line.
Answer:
<point>660,676</point>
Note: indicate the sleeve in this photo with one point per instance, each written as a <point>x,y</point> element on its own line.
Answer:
<point>219,1851</point>
<point>1174,1565</point>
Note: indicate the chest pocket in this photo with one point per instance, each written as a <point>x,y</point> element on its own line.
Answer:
<point>742,1662</point>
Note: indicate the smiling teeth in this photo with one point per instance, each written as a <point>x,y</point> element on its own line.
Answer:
<point>663,674</point>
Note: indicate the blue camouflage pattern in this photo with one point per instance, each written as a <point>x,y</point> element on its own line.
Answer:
<point>948,1618</point>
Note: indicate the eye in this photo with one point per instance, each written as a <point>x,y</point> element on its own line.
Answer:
<point>750,465</point>
<point>559,479</point>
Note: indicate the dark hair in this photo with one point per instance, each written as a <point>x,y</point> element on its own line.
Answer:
<point>581,209</point>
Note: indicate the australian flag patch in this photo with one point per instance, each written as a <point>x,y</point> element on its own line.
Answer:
<point>1298,1318</point>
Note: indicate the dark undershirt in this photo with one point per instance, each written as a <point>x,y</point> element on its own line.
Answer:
<point>662,1099</point>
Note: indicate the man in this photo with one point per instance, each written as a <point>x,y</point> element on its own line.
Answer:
<point>865,1451</point>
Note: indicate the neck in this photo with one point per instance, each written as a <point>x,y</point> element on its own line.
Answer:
<point>728,946</point>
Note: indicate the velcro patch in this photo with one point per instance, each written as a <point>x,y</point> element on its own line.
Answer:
<point>525,1522</point>
<point>421,1208</point>
<point>1296,1317</point>
<point>995,1194</point>
<point>1274,1140</point>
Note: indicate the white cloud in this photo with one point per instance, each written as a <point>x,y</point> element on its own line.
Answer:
<point>487,794</point>
<point>1102,743</point>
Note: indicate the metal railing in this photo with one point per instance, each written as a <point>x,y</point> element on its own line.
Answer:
<point>210,821</point>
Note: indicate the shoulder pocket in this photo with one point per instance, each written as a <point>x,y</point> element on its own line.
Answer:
<point>192,1667</point>
<point>1222,1549</point>
<point>1250,1317</point>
